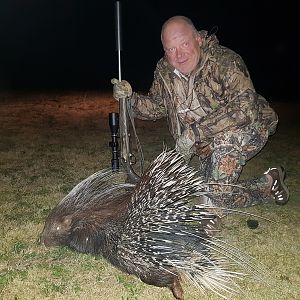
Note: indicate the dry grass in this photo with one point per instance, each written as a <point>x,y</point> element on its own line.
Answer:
<point>49,142</point>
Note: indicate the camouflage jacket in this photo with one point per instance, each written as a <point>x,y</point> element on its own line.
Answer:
<point>217,96</point>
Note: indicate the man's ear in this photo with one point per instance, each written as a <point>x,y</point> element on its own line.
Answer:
<point>199,39</point>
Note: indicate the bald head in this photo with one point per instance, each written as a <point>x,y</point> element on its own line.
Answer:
<point>184,21</point>
<point>181,43</point>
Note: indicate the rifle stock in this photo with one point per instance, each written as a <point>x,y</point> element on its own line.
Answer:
<point>126,155</point>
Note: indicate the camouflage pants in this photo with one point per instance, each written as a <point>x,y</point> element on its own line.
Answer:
<point>223,167</point>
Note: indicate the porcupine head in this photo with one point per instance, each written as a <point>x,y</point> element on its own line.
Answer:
<point>81,217</point>
<point>56,229</point>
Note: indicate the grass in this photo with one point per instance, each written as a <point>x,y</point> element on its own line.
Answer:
<point>50,142</point>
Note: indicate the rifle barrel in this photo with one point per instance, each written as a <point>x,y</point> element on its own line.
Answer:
<point>118,36</point>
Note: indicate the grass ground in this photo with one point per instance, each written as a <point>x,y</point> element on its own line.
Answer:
<point>50,142</point>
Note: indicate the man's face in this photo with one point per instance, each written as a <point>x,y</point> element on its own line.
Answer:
<point>182,46</point>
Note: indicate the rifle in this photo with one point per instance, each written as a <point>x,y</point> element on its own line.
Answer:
<point>119,123</point>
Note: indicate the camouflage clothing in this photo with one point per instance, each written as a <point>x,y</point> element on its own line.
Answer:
<point>214,113</point>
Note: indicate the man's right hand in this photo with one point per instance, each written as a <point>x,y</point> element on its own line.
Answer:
<point>122,89</point>
<point>203,150</point>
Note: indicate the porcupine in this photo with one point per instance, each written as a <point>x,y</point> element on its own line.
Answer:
<point>153,229</point>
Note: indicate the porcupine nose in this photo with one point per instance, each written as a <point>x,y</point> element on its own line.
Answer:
<point>46,240</point>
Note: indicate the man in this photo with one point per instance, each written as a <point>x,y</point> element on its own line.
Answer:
<point>213,111</point>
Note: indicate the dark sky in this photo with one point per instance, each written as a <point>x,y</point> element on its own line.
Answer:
<point>67,44</point>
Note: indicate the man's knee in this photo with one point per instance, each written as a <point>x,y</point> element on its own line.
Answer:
<point>226,164</point>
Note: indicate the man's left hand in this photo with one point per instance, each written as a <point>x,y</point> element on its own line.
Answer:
<point>184,144</point>
<point>202,149</point>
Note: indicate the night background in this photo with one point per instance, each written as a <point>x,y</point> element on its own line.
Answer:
<point>69,44</point>
<point>57,58</point>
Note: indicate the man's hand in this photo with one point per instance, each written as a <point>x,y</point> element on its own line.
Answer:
<point>202,150</point>
<point>187,145</point>
<point>184,144</point>
<point>122,89</point>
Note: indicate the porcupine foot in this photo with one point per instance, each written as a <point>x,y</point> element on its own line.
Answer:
<point>177,289</point>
